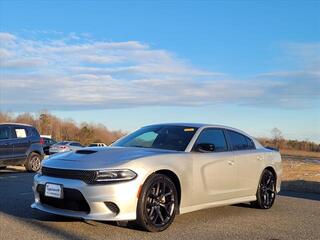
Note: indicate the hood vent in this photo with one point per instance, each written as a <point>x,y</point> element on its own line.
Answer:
<point>85,151</point>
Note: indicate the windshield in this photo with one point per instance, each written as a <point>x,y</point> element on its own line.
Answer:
<point>159,136</point>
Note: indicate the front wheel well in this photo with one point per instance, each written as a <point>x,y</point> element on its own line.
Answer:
<point>174,179</point>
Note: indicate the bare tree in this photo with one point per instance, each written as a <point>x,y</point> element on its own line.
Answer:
<point>277,137</point>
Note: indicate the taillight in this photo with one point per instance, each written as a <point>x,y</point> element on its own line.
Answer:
<point>41,141</point>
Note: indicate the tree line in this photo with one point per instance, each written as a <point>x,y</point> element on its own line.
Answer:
<point>86,133</point>
<point>279,142</point>
<point>64,129</point>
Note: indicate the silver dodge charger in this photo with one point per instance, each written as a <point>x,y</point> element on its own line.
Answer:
<point>157,172</point>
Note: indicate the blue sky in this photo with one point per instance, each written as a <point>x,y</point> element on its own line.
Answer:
<point>249,64</point>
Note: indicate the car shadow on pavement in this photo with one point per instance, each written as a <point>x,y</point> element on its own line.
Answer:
<point>10,170</point>
<point>301,186</point>
<point>304,195</point>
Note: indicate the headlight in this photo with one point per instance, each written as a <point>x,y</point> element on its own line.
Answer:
<point>115,175</point>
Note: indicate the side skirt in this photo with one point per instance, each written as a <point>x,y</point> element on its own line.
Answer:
<point>217,204</point>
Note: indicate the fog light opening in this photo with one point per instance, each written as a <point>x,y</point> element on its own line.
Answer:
<point>112,207</point>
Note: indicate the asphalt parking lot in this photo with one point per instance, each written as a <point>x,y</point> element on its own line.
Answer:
<point>294,216</point>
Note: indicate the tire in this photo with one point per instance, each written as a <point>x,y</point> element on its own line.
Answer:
<point>33,162</point>
<point>157,203</point>
<point>266,192</point>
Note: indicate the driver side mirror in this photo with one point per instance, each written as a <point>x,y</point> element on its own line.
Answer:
<point>204,147</point>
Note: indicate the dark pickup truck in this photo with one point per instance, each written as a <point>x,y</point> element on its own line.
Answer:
<point>20,144</point>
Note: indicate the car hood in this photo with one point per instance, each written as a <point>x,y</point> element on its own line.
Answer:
<point>100,157</point>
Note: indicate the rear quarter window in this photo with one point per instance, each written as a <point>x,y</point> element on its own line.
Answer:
<point>239,141</point>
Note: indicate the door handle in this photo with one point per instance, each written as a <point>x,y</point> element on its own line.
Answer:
<point>230,162</point>
<point>260,158</point>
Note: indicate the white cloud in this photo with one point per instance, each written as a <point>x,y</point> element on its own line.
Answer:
<point>6,37</point>
<point>73,72</point>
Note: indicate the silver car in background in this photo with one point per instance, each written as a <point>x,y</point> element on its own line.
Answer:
<point>157,172</point>
<point>97,145</point>
<point>65,146</point>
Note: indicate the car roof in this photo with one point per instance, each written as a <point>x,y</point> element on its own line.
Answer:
<point>202,125</point>
<point>17,124</point>
<point>195,125</point>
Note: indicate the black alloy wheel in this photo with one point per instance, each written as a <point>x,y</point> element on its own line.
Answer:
<point>266,192</point>
<point>158,203</point>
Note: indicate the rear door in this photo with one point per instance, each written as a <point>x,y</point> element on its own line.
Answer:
<point>21,143</point>
<point>6,147</point>
<point>215,172</point>
<point>248,161</point>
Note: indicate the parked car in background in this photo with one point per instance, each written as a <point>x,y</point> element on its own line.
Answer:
<point>47,143</point>
<point>65,146</point>
<point>20,144</point>
<point>157,172</point>
<point>97,145</point>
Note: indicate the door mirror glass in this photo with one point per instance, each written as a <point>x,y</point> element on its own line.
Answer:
<point>204,147</point>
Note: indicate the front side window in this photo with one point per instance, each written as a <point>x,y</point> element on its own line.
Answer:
<point>215,137</point>
<point>160,137</point>
<point>4,132</point>
<point>239,141</point>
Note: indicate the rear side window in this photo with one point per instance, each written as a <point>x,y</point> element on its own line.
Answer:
<point>215,137</point>
<point>20,132</point>
<point>4,132</point>
<point>239,141</point>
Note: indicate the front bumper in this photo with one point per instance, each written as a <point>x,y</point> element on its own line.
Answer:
<point>123,194</point>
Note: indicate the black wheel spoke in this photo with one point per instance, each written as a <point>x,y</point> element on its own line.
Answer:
<point>167,194</point>
<point>163,188</point>
<point>158,189</point>
<point>151,212</point>
<point>160,215</point>
<point>165,207</point>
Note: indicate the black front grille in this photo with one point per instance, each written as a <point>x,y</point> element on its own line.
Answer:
<point>84,175</point>
<point>72,200</point>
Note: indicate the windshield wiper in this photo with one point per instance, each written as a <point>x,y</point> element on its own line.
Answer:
<point>137,146</point>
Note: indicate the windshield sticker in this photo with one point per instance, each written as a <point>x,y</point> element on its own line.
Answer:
<point>189,129</point>
<point>21,133</point>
